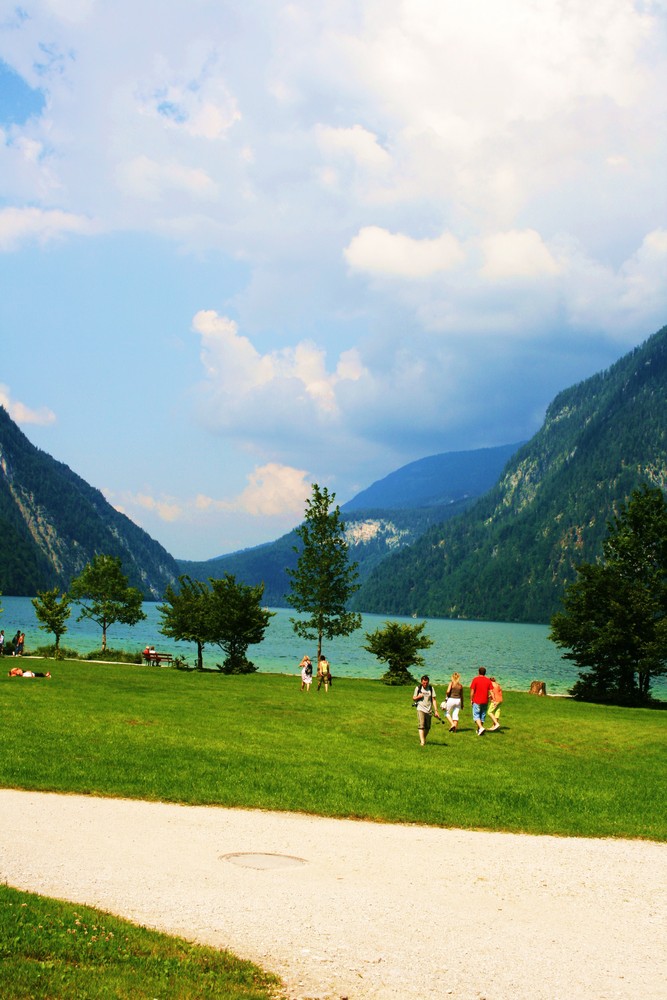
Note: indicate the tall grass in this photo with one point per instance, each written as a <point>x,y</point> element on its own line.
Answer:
<point>556,766</point>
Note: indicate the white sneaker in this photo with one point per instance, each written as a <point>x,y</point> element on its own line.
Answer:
<point>480,732</point>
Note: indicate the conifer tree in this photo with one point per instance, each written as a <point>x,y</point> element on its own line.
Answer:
<point>614,618</point>
<point>324,578</point>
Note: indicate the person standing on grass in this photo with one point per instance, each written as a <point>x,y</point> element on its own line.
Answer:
<point>479,697</point>
<point>323,673</point>
<point>306,674</point>
<point>2,642</point>
<point>496,701</point>
<point>454,702</point>
<point>425,701</point>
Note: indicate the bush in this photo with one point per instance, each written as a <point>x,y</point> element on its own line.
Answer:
<point>114,656</point>
<point>237,665</point>
<point>51,653</point>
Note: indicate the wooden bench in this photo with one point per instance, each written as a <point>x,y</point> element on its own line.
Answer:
<point>158,658</point>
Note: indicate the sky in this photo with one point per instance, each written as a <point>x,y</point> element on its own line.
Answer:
<point>247,246</point>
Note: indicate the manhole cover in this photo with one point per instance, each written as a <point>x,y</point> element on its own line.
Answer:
<point>262,861</point>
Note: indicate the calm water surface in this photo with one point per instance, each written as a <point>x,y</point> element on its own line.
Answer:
<point>516,654</point>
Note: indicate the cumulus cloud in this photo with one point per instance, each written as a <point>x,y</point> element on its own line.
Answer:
<point>23,414</point>
<point>272,491</point>
<point>146,178</point>
<point>25,225</point>
<point>517,255</point>
<point>377,251</point>
<point>283,387</point>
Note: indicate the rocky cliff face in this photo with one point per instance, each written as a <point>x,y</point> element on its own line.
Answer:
<point>52,523</point>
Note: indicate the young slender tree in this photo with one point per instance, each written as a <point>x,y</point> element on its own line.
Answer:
<point>105,595</point>
<point>614,618</point>
<point>53,610</point>
<point>324,578</point>
<point>398,646</point>
<point>185,614</point>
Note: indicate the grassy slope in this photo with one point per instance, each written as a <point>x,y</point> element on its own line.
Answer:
<point>557,766</point>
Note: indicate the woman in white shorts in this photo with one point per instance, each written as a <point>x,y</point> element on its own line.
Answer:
<point>454,702</point>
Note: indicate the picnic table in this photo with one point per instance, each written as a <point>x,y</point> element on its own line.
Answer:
<point>157,658</point>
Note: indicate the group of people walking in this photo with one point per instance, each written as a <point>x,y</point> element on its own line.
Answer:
<point>486,696</point>
<point>17,643</point>
<point>323,673</point>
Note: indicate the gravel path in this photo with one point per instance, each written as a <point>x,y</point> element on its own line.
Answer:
<point>339,908</point>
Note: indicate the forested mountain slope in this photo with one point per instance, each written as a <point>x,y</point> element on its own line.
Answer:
<point>52,523</point>
<point>386,517</point>
<point>509,555</point>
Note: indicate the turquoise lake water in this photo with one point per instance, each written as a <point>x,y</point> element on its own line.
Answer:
<point>516,654</point>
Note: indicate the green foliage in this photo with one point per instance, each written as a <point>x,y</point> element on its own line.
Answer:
<point>236,620</point>
<point>185,614</point>
<point>614,622</point>
<point>50,948</point>
<point>398,646</point>
<point>324,578</point>
<point>56,653</point>
<point>52,610</point>
<point>226,613</point>
<point>106,596</point>
<point>176,736</point>
<point>114,656</point>
<point>510,556</point>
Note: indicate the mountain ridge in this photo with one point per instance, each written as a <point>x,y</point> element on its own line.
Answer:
<point>52,522</point>
<point>509,556</point>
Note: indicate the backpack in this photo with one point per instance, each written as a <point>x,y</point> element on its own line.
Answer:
<point>429,688</point>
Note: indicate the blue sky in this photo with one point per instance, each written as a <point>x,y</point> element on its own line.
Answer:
<point>246,246</point>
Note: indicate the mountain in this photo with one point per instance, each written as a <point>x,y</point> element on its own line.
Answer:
<point>508,557</point>
<point>388,516</point>
<point>52,523</point>
<point>435,481</point>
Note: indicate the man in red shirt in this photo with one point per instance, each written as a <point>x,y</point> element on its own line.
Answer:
<point>479,698</point>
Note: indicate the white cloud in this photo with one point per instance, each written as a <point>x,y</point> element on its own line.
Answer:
<point>281,388</point>
<point>517,255</point>
<point>27,225</point>
<point>377,251</point>
<point>145,178</point>
<point>23,414</point>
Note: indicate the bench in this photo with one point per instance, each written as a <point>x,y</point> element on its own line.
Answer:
<point>158,658</point>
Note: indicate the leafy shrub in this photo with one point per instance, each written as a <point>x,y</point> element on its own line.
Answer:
<point>51,653</point>
<point>114,656</point>
<point>237,665</point>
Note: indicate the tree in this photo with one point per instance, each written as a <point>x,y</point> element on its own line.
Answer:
<point>226,613</point>
<point>237,620</point>
<point>52,611</point>
<point>614,621</point>
<point>104,586</point>
<point>398,646</point>
<point>324,579</point>
<point>185,614</point>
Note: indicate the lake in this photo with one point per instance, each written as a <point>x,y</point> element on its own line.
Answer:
<point>516,654</point>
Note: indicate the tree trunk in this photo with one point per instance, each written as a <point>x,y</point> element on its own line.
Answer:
<point>538,687</point>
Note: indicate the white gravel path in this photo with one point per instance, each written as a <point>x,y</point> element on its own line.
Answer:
<point>373,910</point>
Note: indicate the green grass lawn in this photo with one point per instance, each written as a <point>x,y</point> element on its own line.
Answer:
<point>556,767</point>
<point>50,949</point>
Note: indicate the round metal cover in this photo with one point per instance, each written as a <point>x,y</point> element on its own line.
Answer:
<point>263,861</point>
